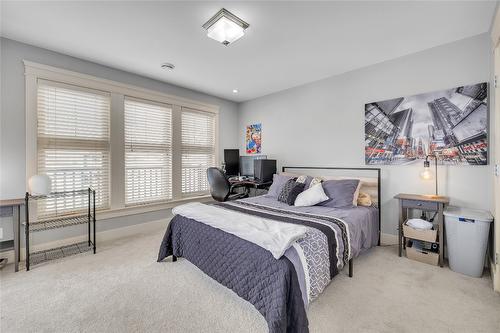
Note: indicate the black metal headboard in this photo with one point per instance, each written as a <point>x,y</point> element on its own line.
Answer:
<point>374,170</point>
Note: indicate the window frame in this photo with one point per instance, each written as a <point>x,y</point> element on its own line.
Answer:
<point>118,91</point>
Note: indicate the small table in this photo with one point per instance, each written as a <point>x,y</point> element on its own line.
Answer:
<point>16,222</point>
<point>429,203</point>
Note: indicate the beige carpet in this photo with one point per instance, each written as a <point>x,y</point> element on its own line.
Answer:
<point>123,289</point>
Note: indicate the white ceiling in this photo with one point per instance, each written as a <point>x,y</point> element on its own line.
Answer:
<point>287,44</point>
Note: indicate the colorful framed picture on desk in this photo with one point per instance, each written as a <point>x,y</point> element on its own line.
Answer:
<point>253,139</point>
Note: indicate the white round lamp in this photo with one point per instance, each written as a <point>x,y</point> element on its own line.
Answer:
<point>40,185</point>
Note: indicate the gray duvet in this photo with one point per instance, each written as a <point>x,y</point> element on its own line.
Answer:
<point>280,289</point>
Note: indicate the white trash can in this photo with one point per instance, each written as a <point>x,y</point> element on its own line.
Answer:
<point>467,239</point>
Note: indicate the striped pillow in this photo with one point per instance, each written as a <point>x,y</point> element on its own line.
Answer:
<point>290,191</point>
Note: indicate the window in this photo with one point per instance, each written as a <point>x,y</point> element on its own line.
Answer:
<point>148,152</point>
<point>140,149</point>
<point>198,149</point>
<point>73,144</point>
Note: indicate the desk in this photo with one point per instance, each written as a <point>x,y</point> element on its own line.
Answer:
<point>255,184</point>
<point>16,221</point>
<point>424,203</point>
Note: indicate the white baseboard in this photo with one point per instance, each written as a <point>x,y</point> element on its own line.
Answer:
<point>388,239</point>
<point>102,236</point>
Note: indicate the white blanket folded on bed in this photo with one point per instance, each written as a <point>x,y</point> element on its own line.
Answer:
<point>274,236</point>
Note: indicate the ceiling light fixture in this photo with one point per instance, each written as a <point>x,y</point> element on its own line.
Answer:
<point>225,27</point>
<point>168,66</point>
<point>235,91</point>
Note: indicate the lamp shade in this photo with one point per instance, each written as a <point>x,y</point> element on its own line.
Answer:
<point>225,27</point>
<point>225,31</point>
<point>40,185</point>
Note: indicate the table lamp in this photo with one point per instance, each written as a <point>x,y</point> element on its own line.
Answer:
<point>427,174</point>
<point>40,184</point>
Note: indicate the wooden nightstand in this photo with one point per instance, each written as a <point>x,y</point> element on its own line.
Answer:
<point>429,203</point>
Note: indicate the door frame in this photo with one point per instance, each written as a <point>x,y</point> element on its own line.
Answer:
<point>495,43</point>
<point>495,257</point>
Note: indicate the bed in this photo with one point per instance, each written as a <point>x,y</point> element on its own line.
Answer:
<point>281,271</point>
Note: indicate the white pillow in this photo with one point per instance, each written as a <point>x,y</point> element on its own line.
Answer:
<point>301,179</point>
<point>314,181</point>
<point>419,224</point>
<point>312,196</point>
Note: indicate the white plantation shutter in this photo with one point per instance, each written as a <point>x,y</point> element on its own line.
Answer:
<point>73,145</point>
<point>148,151</point>
<point>197,148</point>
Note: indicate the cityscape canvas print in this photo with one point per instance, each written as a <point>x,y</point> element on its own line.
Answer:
<point>449,124</point>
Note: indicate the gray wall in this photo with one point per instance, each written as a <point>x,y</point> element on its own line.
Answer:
<point>322,123</point>
<point>12,115</point>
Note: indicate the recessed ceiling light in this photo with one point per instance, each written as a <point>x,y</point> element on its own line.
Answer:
<point>225,27</point>
<point>235,91</point>
<point>168,66</point>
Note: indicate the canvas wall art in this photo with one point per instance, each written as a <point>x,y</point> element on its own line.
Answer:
<point>254,139</point>
<point>450,124</point>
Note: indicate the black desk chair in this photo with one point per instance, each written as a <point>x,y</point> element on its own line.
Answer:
<point>220,188</point>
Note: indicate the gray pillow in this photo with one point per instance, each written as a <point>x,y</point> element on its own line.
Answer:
<point>340,191</point>
<point>278,183</point>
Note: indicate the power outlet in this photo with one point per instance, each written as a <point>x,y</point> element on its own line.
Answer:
<point>497,170</point>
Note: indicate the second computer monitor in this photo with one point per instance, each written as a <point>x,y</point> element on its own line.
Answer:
<point>246,164</point>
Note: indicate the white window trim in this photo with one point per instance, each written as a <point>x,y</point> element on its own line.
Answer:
<point>35,71</point>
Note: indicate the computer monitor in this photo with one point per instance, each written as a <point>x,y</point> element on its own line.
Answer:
<point>232,161</point>
<point>246,164</point>
<point>264,170</point>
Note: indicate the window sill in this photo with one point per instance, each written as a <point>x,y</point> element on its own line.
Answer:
<point>141,209</point>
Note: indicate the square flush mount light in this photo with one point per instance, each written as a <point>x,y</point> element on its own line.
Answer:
<point>225,27</point>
